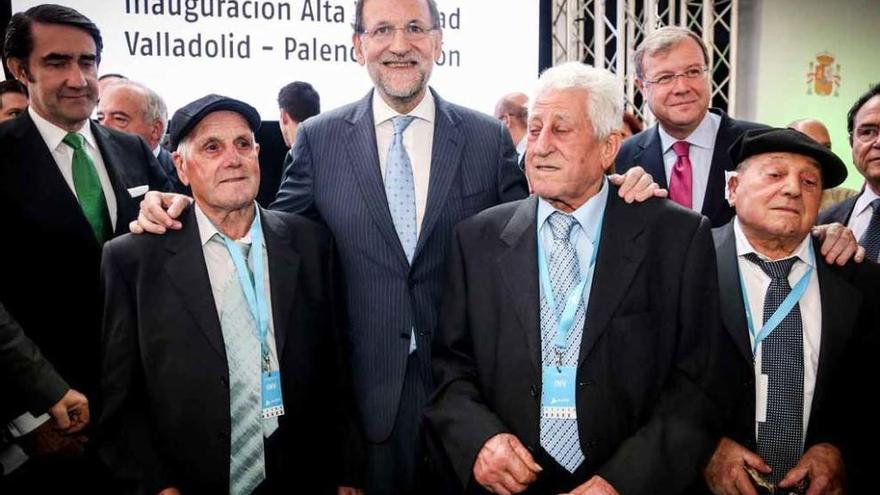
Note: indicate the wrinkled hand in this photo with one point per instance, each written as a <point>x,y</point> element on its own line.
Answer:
<point>725,474</point>
<point>71,413</point>
<point>504,466</point>
<point>839,244</point>
<point>823,465</point>
<point>637,185</point>
<point>170,491</point>
<point>159,212</point>
<point>595,486</point>
<point>348,490</point>
<point>46,440</point>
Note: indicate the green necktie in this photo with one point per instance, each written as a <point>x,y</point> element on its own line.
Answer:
<point>88,188</point>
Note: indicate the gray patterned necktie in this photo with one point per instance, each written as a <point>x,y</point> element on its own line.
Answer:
<point>559,437</point>
<point>780,438</point>
<point>246,462</point>
<point>871,238</point>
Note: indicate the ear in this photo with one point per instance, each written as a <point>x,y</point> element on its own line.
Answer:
<point>16,68</point>
<point>285,119</point>
<point>640,84</point>
<point>732,184</point>
<point>610,146</point>
<point>358,48</point>
<point>180,165</point>
<point>156,130</point>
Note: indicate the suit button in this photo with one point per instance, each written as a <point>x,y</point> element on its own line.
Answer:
<point>586,383</point>
<point>223,382</point>
<point>533,391</point>
<point>404,335</point>
<point>423,333</point>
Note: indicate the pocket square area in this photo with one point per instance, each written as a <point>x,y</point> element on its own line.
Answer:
<point>138,191</point>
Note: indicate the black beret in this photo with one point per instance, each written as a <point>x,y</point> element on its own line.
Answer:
<point>770,140</point>
<point>188,117</point>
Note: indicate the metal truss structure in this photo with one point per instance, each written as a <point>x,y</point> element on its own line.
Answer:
<point>605,33</point>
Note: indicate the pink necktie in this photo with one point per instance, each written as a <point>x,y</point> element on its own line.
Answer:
<point>680,183</point>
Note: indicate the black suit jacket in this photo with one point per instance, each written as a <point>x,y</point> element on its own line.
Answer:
<point>644,149</point>
<point>650,370</point>
<point>167,165</point>
<point>27,380</point>
<point>850,325</point>
<point>840,212</point>
<point>166,416</point>
<point>51,260</point>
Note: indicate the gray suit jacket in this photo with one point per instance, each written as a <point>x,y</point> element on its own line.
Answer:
<point>335,177</point>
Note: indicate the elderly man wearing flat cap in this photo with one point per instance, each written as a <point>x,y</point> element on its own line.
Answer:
<point>220,368</point>
<point>798,322</point>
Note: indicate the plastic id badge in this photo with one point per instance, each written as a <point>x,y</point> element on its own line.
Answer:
<point>273,405</point>
<point>558,395</point>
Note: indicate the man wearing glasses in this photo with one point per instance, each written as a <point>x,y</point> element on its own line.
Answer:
<point>861,213</point>
<point>686,152</point>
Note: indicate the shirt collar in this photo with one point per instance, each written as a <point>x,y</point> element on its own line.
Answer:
<point>587,215</point>
<point>53,135</point>
<point>864,201</point>
<point>382,112</point>
<point>207,229</point>
<point>521,145</point>
<point>702,137</point>
<point>744,247</point>
<point>156,150</point>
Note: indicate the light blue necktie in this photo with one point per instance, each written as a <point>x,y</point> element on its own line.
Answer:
<point>559,437</point>
<point>246,462</point>
<point>401,194</point>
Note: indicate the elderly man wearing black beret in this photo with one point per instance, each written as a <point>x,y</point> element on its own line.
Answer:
<point>220,351</point>
<point>799,323</point>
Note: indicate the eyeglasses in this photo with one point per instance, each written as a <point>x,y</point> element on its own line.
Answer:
<point>665,79</point>
<point>411,32</point>
<point>866,133</point>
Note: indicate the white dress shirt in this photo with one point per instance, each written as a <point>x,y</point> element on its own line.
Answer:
<point>756,283</point>
<point>418,140</point>
<point>702,142</point>
<point>63,155</point>
<point>521,147</point>
<point>862,211</point>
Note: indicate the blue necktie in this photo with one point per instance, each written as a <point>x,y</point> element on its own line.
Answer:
<point>559,437</point>
<point>780,438</point>
<point>400,191</point>
<point>871,238</point>
<point>246,462</point>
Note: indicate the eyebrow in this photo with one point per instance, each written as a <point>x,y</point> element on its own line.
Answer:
<point>57,57</point>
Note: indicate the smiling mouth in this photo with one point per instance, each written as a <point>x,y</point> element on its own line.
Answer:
<point>400,64</point>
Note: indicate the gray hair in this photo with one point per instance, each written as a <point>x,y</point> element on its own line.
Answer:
<point>604,93</point>
<point>154,106</point>
<point>663,40</point>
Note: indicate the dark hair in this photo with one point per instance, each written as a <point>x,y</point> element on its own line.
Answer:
<point>300,100</point>
<point>105,76</point>
<point>12,86</point>
<point>19,41</point>
<point>873,91</point>
<point>359,15</point>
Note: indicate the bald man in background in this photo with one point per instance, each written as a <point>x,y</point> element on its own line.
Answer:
<point>512,109</point>
<point>819,133</point>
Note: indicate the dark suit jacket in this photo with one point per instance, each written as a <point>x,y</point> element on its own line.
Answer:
<point>51,260</point>
<point>166,416</point>
<point>335,177</point>
<point>850,325</point>
<point>651,365</point>
<point>27,380</point>
<point>167,165</point>
<point>644,149</point>
<point>840,213</point>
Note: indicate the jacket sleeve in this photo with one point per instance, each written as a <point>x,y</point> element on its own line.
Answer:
<point>296,193</point>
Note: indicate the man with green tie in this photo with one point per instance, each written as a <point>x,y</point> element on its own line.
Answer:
<point>67,185</point>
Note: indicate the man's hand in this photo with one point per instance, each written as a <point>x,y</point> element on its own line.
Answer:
<point>159,211</point>
<point>170,491</point>
<point>839,244</point>
<point>348,490</point>
<point>71,413</point>
<point>46,440</point>
<point>595,486</point>
<point>637,185</point>
<point>823,466</point>
<point>725,474</point>
<point>504,466</point>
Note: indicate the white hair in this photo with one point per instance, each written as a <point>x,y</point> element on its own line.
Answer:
<point>604,93</point>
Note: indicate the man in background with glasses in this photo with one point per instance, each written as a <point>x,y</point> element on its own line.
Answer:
<point>686,152</point>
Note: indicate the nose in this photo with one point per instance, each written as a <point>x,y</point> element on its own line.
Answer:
<point>398,43</point>
<point>792,185</point>
<point>76,77</point>
<point>542,144</point>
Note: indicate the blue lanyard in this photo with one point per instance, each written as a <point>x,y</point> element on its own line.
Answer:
<point>572,301</point>
<point>254,288</point>
<point>793,297</point>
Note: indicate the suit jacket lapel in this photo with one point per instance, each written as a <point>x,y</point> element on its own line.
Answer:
<point>520,237</point>
<point>188,274</point>
<point>111,154</point>
<point>445,162</point>
<point>714,200</point>
<point>283,274</point>
<point>621,251</point>
<point>650,157</point>
<point>363,158</point>
<point>733,312</point>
